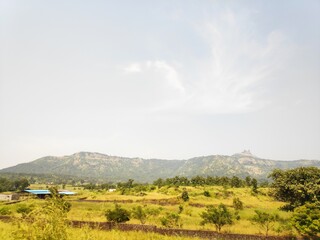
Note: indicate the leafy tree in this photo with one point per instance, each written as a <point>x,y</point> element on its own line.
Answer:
<point>219,216</point>
<point>236,182</point>
<point>129,183</point>
<point>254,185</point>
<point>237,204</point>
<point>248,181</point>
<point>140,213</point>
<point>306,219</point>
<point>185,196</point>
<point>21,185</point>
<point>265,220</point>
<point>206,194</point>
<point>171,220</point>
<point>296,186</point>
<point>159,182</point>
<point>5,184</point>
<point>117,215</point>
<point>180,209</point>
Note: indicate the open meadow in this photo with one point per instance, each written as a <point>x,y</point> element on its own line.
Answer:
<point>92,205</point>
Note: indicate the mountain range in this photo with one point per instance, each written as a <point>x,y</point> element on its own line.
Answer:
<point>113,168</point>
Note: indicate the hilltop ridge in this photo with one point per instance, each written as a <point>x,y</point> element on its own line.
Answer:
<point>115,168</point>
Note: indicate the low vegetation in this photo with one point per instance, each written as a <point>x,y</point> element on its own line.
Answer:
<point>232,205</point>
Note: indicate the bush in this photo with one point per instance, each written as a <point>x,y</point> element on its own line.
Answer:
<point>5,211</point>
<point>185,196</point>
<point>237,204</point>
<point>24,209</point>
<point>140,213</point>
<point>265,220</point>
<point>171,220</point>
<point>117,215</point>
<point>219,216</point>
<point>206,194</point>
<point>306,219</point>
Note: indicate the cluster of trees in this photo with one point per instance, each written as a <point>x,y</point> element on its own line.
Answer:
<point>234,181</point>
<point>300,188</point>
<point>13,185</point>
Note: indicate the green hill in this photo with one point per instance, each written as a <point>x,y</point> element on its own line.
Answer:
<point>113,168</point>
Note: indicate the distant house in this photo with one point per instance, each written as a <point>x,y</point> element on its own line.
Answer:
<point>43,193</point>
<point>9,197</point>
<point>112,190</point>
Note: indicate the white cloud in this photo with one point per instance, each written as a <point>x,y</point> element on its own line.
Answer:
<point>167,73</point>
<point>133,68</point>
<point>231,80</point>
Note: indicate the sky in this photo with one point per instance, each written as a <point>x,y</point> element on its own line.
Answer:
<point>171,79</point>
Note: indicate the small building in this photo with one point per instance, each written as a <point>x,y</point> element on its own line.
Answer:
<point>43,193</point>
<point>9,197</point>
<point>112,190</point>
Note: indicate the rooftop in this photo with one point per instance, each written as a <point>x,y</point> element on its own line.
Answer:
<point>47,192</point>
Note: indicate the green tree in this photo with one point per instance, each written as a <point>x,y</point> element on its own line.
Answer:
<point>306,219</point>
<point>236,182</point>
<point>140,213</point>
<point>185,196</point>
<point>21,185</point>
<point>117,215</point>
<point>237,204</point>
<point>254,185</point>
<point>219,216</point>
<point>296,186</point>
<point>171,220</point>
<point>265,220</point>
<point>206,193</point>
<point>248,181</point>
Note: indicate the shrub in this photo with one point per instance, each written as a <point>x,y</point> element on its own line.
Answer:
<point>185,196</point>
<point>237,204</point>
<point>24,209</point>
<point>265,220</point>
<point>171,220</point>
<point>219,216</point>
<point>206,193</point>
<point>306,219</point>
<point>5,211</point>
<point>140,213</point>
<point>117,215</point>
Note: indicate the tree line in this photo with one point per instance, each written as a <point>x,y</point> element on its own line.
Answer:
<point>13,185</point>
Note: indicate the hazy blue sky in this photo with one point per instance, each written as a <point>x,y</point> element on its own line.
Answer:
<point>159,79</point>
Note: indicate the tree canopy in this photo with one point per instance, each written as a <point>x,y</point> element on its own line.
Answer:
<point>219,216</point>
<point>306,219</point>
<point>118,215</point>
<point>296,186</point>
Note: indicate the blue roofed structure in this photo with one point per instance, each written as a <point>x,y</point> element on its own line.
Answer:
<point>42,193</point>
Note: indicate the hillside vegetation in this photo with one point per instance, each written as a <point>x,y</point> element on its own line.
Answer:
<point>112,168</point>
<point>239,209</point>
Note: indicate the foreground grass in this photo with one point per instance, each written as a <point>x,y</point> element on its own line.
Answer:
<point>85,233</point>
<point>190,215</point>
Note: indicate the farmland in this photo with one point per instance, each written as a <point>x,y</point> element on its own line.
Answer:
<point>91,205</point>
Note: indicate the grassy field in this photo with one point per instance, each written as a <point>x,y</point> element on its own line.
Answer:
<point>170,200</point>
<point>85,233</point>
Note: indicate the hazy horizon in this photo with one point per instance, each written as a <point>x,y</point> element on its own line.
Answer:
<point>159,79</point>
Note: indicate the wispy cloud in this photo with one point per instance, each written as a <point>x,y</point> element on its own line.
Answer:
<point>232,78</point>
<point>167,72</point>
